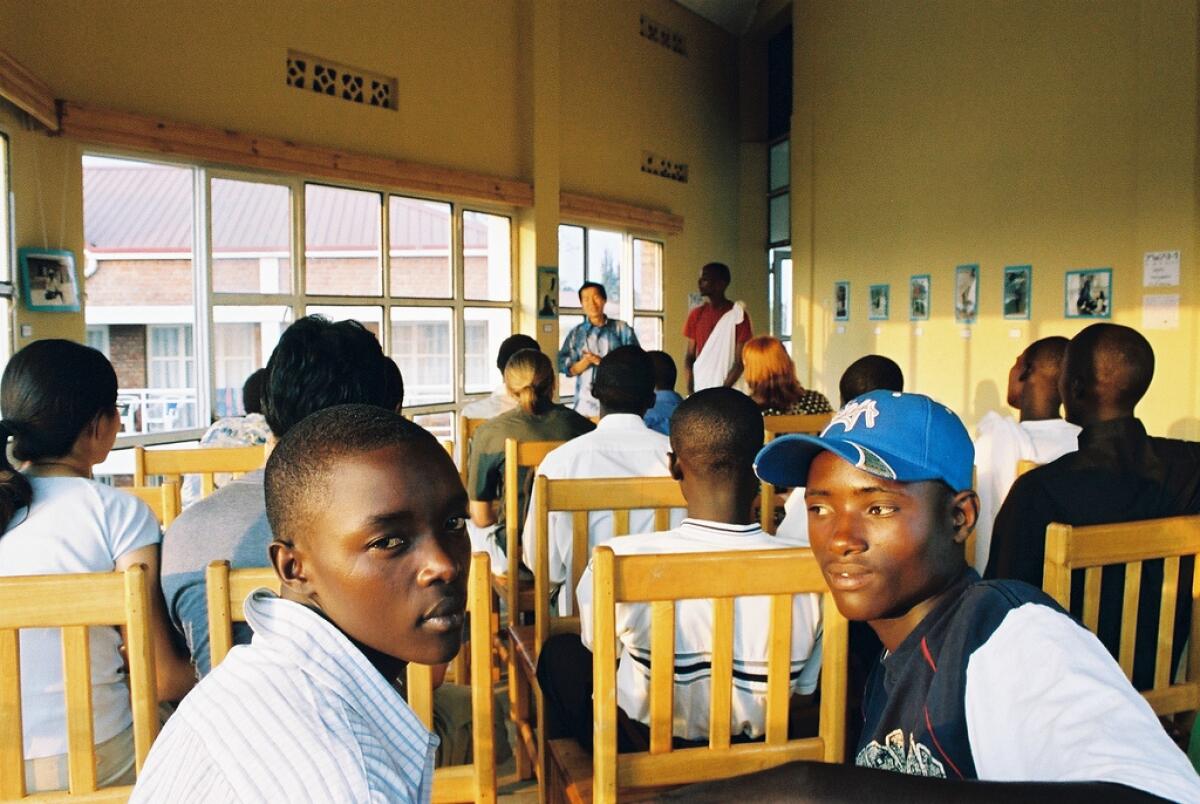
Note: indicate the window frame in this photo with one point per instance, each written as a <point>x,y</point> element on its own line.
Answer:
<point>774,276</point>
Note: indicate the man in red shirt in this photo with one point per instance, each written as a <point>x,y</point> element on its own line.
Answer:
<point>714,279</point>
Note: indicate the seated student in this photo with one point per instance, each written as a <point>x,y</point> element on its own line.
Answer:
<point>658,418</point>
<point>620,446</point>
<point>714,437</point>
<point>500,400</point>
<point>369,517</point>
<point>59,402</point>
<point>870,373</point>
<point>529,378</point>
<point>1040,436</point>
<point>985,680</point>
<point>771,380</point>
<point>233,431</point>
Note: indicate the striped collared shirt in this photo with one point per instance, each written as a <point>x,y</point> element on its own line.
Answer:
<point>299,714</point>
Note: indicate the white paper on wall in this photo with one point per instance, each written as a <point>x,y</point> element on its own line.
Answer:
<point>1160,311</point>
<point>1160,269</point>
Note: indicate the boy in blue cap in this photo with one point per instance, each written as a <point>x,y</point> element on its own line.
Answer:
<point>986,681</point>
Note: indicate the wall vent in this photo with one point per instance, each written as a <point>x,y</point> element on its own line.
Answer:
<point>325,77</point>
<point>661,166</point>
<point>657,32</point>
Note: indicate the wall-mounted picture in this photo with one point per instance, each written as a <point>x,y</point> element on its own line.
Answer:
<point>48,279</point>
<point>918,297</point>
<point>841,301</point>
<point>1089,293</point>
<point>879,299</point>
<point>966,293</point>
<point>547,291</point>
<point>1018,285</point>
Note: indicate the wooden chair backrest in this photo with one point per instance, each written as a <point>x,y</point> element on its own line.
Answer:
<point>518,455</point>
<point>1093,547</point>
<point>621,495</point>
<point>74,603</point>
<point>466,431</point>
<point>172,464</point>
<point>163,500</point>
<point>808,423</point>
<point>227,593</point>
<point>1024,466</point>
<point>660,581</point>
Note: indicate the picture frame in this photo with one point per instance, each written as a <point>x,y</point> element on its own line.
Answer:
<point>48,282</point>
<point>919,297</point>
<point>547,292</point>
<point>1017,292</point>
<point>841,301</point>
<point>966,293</point>
<point>879,302</point>
<point>1087,293</point>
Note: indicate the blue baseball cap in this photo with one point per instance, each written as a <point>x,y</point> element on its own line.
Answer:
<point>902,437</point>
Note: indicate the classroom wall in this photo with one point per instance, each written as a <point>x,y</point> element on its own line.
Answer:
<point>1000,132</point>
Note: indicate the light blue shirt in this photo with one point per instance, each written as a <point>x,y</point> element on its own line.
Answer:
<point>658,418</point>
<point>297,715</point>
<point>599,341</point>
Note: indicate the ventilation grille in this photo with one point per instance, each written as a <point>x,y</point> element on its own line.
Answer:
<point>315,74</point>
<point>657,32</point>
<point>661,166</point>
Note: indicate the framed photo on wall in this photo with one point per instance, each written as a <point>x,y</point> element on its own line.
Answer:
<point>1018,287</point>
<point>966,293</point>
<point>48,280</point>
<point>918,297</point>
<point>1088,293</point>
<point>879,298</point>
<point>841,301</point>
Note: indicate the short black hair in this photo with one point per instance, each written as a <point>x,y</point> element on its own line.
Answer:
<point>870,373</point>
<point>599,289</point>
<point>720,269</point>
<point>318,364</point>
<point>297,482</point>
<point>252,391</point>
<point>511,345</point>
<point>394,385</point>
<point>1049,350</point>
<point>624,381</point>
<point>1114,360</point>
<point>665,372</point>
<point>718,430</point>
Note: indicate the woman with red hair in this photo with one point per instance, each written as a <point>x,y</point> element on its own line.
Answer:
<point>771,378</point>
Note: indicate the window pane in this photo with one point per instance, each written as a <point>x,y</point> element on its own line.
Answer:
<point>251,237</point>
<point>785,298</point>
<point>423,348</point>
<point>242,341</point>
<point>566,323</point>
<point>440,424</point>
<point>649,332</point>
<point>604,266</point>
<point>780,166</point>
<point>570,265</point>
<point>419,247</point>
<point>5,234</point>
<point>779,211</point>
<point>647,275</point>
<point>483,331</point>
<point>369,317</point>
<point>137,220</point>
<point>341,241</point>
<point>487,257</point>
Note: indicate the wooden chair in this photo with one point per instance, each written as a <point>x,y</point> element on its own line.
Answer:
<point>466,431</point>
<point>163,500</point>
<point>579,498</point>
<point>808,423</point>
<point>227,592</point>
<point>172,464</point>
<point>661,581</point>
<point>1093,547</point>
<point>74,603</point>
<point>1024,466</point>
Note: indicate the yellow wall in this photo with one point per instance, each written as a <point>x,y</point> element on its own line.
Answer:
<point>930,134</point>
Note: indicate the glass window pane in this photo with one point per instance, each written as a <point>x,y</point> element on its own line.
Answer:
<point>137,220</point>
<point>566,323</point>
<point>440,424</point>
<point>604,266</point>
<point>484,328</point>
<point>785,298</point>
<point>779,211</point>
<point>419,248</point>
<point>341,241</point>
<point>487,257</point>
<point>423,348</point>
<point>243,338</point>
<point>369,317</point>
<point>780,167</point>
<point>647,275</point>
<point>251,237</point>
<point>5,234</point>
<point>649,332</point>
<point>570,265</point>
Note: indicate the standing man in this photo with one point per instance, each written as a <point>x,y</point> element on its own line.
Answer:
<point>587,343</point>
<point>716,332</point>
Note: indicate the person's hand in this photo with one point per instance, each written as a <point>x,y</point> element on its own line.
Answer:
<point>592,358</point>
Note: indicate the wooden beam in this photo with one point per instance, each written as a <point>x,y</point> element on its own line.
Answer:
<point>27,92</point>
<point>587,209</point>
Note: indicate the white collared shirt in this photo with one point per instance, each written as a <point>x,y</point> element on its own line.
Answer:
<point>297,715</point>
<point>620,446</point>
<point>499,401</point>
<point>694,631</point>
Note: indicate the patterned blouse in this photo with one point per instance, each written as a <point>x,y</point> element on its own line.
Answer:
<point>810,402</point>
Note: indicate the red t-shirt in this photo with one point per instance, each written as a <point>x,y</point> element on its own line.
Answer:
<point>702,320</point>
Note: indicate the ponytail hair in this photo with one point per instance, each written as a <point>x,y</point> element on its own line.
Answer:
<point>529,377</point>
<point>15,491</point>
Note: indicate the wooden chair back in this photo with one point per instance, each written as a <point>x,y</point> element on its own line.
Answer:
<point>808,423</point>
<point>466,431</point>
<point>661,581</point>
<point>163,500</point>
<point>1024,466</point>
<point>517,456</point>
<point>172,464</point>
<point>1093,547</point>
<point>76,603</point>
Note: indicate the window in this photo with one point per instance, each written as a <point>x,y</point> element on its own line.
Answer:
<point>779,201</point>
<point>6,252</point>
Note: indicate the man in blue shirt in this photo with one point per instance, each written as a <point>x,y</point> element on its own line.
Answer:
<point>665,399</point>
<point>587,343</point>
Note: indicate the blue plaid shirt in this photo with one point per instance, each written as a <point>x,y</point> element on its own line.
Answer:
<point>600,341</point>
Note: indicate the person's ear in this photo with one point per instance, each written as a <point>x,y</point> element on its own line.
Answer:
<point>964,509</point>
<point>674,467</point>
<point>288,561</point>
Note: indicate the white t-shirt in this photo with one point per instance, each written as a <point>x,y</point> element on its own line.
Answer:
<point>694,630</point>
<point>620,446</point>
<point>499,401</point>
<point>73,525</point>
<point>794,526</point>
<point>999,444</point>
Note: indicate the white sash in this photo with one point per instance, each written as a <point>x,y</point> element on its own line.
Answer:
<point>720,350</point>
